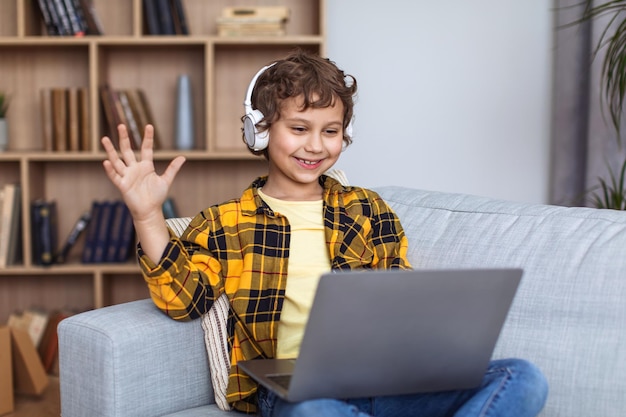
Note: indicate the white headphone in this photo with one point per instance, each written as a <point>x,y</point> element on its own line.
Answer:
<point>255,139</point>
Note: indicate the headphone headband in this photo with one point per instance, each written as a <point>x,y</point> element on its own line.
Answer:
<point>247,103</point>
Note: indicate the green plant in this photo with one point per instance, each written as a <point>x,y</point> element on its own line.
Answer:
<point>4,104</point>
<point>611,194</point>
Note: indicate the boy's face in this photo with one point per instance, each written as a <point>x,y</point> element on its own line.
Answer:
<point>302,146</point>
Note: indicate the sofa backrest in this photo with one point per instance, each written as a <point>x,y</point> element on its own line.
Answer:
<point>569,316</point>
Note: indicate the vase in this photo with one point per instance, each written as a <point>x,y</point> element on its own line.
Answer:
<point>184,114</point>
<point>4,135</point>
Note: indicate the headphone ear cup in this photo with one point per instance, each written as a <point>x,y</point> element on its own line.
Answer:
<point>348,131</point>
<point>254,139</point>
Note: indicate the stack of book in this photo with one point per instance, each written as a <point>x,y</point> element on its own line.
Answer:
<point>131,108</point>
<point>10,225</point>
<point>41,327</point>
<point>69,17</point>
<point>65,119</point>
<point>165,17</point>
<point>110,233</point>
<point>107,228</point>
<point>253,21</point>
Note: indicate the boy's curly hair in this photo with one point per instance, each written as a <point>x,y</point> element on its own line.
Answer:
<point>318,80</point>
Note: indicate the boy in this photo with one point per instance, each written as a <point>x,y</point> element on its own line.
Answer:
<point>267,249</point>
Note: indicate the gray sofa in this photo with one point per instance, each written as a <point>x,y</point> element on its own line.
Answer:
<point>569,316</point>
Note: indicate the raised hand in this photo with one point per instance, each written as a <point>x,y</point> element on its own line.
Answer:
<point>142,189</point>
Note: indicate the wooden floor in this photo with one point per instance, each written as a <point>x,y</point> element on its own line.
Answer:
<point>47,405</point>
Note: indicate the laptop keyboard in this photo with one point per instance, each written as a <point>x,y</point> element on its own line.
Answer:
<point>282,380</point>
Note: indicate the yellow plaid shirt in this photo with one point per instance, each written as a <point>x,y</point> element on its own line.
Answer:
<point>241,248</point>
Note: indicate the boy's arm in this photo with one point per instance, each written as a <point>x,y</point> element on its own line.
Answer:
<point>391,244</point>
<point>182,289</point>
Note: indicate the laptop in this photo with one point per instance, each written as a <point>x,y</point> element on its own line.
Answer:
<point>392,332</point>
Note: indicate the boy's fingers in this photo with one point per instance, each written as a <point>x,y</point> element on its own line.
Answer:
<point>147,142</point>
<point>125,148</point>
<point>173,168</point>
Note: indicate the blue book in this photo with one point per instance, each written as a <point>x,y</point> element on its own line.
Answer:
<point>127,237</point>
<point>92,233</point>
<point>104,226</point>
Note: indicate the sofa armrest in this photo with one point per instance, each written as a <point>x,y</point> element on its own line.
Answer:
<point>131,360</point>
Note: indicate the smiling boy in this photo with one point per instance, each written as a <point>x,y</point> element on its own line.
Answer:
<point>267,249</point>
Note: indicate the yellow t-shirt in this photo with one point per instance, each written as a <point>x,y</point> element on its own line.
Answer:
<point>308,260</point>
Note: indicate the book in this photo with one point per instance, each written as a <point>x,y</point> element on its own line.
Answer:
<point>151,17</point>
<point>51,29</point>
<point>110,113</point>
<point>131,122</point>
<point>45,103</point>
<point>115,231</point>
<point>104,222</point>
<point>84,121</point>
<point>137,108</point>
<point>117,108</point>
<point>127,237</point>
<point>48,348</point>
<point>80,16</point>
<point>14,253</point>
<point>94,25</point>
<point>73,17</point>
<point>59,119</point>
<point>78,229</point>
<point>92,233</point>
<point>166,20</point>
<point>49,232</point>
<point>44,231</point>
<point>179,17</point>
<point>54,17</point>
<point>37,320</point>
<point>143,99</point>
<point>253,21</point>
<point>73,120</point>
<point>10,225</point>
<point>65,26</point>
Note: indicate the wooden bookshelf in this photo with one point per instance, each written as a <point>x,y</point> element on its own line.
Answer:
<point>218,167</point>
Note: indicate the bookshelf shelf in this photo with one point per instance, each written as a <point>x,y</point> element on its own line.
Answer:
<point>126,57</point>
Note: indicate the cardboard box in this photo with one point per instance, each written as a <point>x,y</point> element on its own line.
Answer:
<point>28,372</point>
<point>6,371</point>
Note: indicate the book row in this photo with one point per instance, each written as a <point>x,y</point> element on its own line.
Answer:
<point>65,119</point>
<point>165,17</point>
<point>79,17</point>
<point>69,17</point>
<point>41,327</point>
<point>107,228</point>
<point>131,108</point>
<point>106,231</point>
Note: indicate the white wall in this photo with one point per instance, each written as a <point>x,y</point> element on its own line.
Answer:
<point>453,95</point>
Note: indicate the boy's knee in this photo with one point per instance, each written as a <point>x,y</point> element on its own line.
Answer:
<point>530,381</point>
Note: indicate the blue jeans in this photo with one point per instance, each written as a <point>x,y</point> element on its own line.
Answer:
<point>511,387</point>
